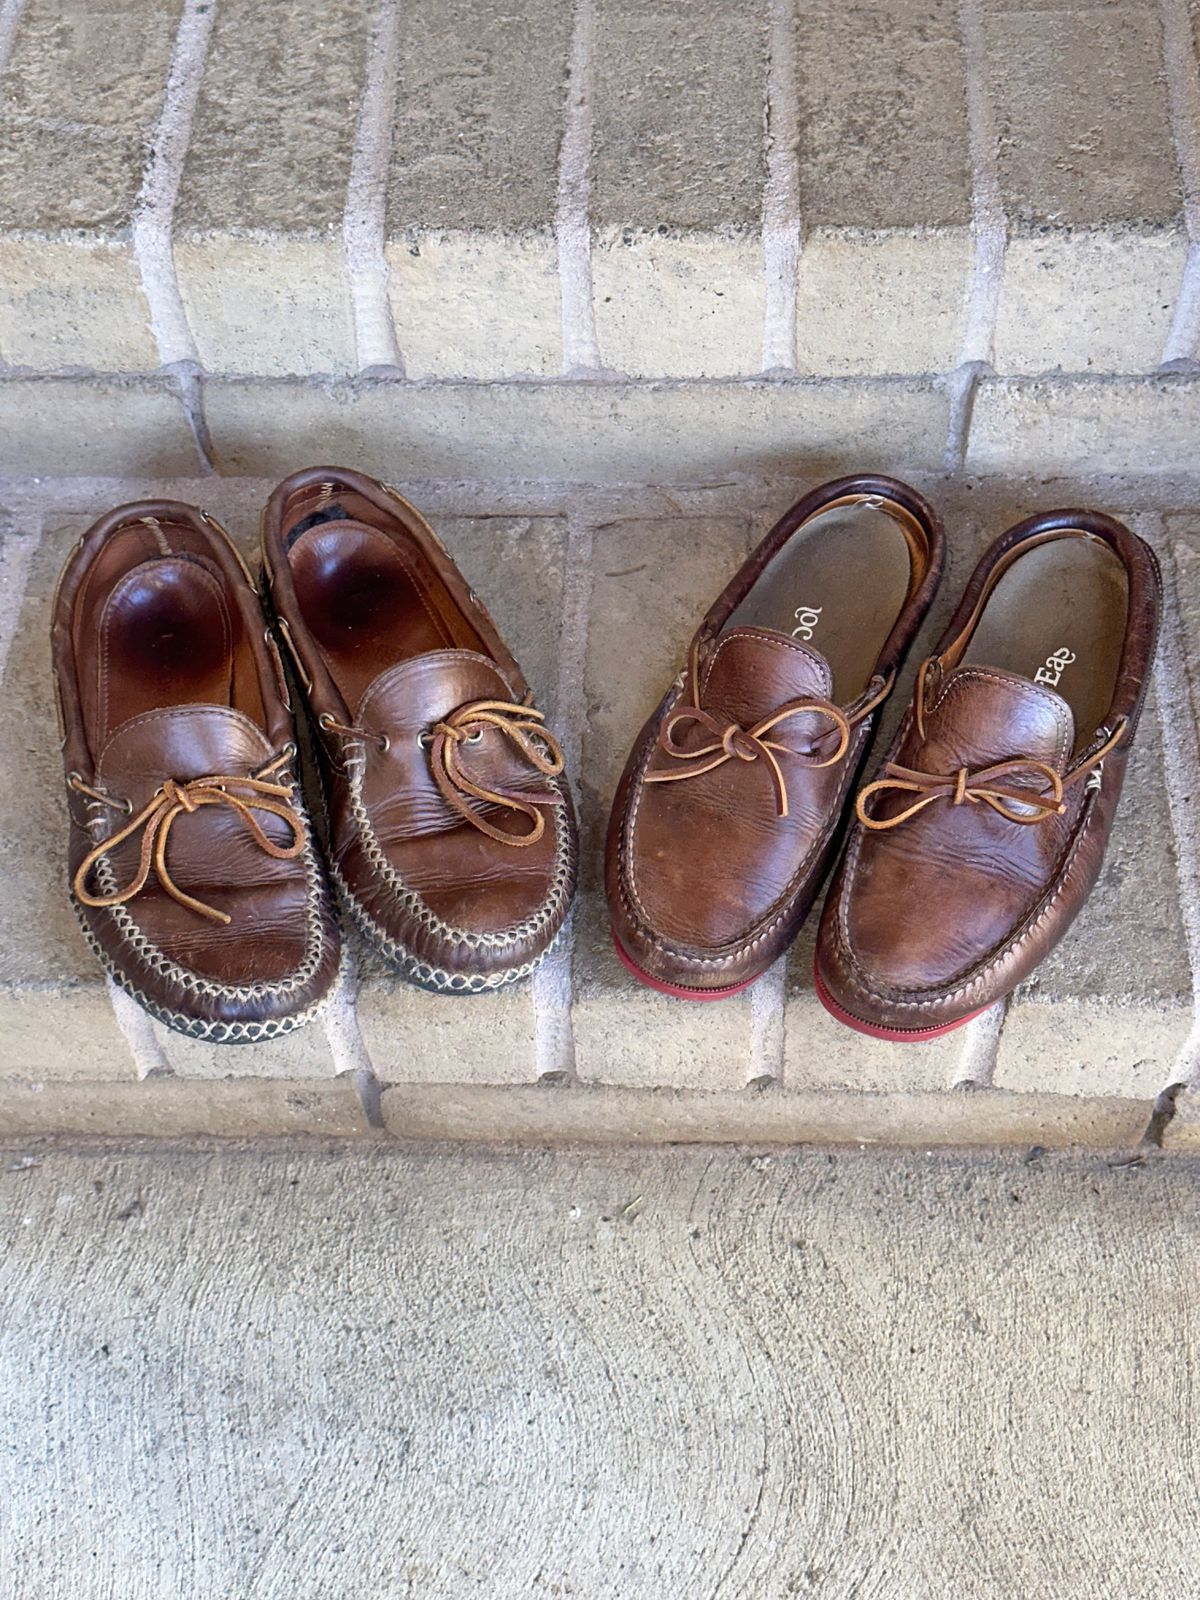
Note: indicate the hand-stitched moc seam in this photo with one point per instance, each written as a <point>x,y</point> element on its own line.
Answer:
<point>423,971</point>
<point>162,965</point>
<point>412,904</point>
<point>1060,720</point>
<point>791,644</point>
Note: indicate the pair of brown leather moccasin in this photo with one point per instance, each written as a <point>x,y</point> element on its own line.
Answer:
<point>983,830</point>
<point>447,827</point>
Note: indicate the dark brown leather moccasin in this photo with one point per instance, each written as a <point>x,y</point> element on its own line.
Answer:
<point>984,832</point>
<point>451,830</point>
<point>728,810</point>
<point>194,873</point>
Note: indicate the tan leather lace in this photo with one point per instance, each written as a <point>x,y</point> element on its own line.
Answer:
<point>984,786</point>
<point>731,740</point>
<point>173,800</point>
<point>525,728</point>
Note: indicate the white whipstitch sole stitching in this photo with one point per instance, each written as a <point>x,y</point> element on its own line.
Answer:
<point>412,903</point>
<point>210,1032</point>
<point>424,972</point>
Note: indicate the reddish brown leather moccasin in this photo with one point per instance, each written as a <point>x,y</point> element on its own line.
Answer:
<point>983,833</point>
<point>728,810</point>
<point>194,872</point>
<point>451,831</point>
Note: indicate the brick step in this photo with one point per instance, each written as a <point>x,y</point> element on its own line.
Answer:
<point>598,432</point>
<point>648,190</point>
<point>1080,1055</point>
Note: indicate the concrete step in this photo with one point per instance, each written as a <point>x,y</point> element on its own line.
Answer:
<point>587,1374</point>
<point>201,200</point>
<point>1082,1054</point>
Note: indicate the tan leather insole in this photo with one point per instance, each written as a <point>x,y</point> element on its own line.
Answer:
<point>838,584</point>
<point>1058,616</point>
<point>369,602</point>
<point>165,640</point>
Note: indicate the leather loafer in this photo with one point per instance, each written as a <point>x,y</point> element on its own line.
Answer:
<point>728,811</point>
<point>451,835</point>
<point>193,868</point>
<point>982,835</point>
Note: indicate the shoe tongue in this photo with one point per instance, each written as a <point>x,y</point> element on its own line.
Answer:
<point>414,693</point>
<point>982,715</point>
<point>751,672</point>
<point>180,742</point>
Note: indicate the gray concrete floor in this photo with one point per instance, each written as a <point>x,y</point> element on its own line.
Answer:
<point>434,1371</point>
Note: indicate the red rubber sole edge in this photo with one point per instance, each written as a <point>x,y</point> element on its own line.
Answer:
<point>897,1035</point>
<point>676,990</point>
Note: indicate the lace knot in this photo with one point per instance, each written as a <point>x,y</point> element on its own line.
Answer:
<point>738,742</point>
<point>176,796</point>
<point>730,741</point>
<point>171,800</point>
<point>1036,795</point>
<point>524,728</point>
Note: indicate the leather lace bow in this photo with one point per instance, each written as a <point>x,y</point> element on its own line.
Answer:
<point>243,796</point>
<point>525,729</point>
<point>730,741</point>
<point>985,786</point>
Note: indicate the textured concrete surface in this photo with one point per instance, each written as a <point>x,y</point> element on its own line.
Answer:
<point>676,187</point>
<point>54,1008</point>
<point>69,305</point>
<point>883,115</point>
<point>677,112</point>
<point>1184,533</point>
<point>1109,297</point>
<point>1059,161</point>
<point>438,1373</point>
<point>478,114</point>
<point>882,302</point>
<point>472,304</point>
<point>885,187</point>
<point>597,432</point>
<point>1079,426</point>
<point>679,304</point>
<point>598,591</point>
<point>85,424</point>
